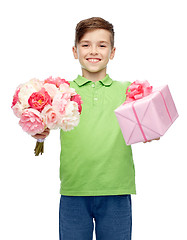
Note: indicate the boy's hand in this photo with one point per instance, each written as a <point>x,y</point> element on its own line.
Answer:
<point>152,140</point>
<point>42,135</point>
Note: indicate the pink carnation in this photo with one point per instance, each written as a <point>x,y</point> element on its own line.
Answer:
<point>67,91</point>
<point>50,117</point>
<point>77,98</point>
<point>51,89</point>
<point>15,98</point>
<point>60,81</point>
<point>38,100</point>
<point>59,103</point>
<point>31,122</point>
<point>56,81</point>
<point>18,109</point>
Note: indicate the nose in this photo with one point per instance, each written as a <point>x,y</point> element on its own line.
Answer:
<point>93,50</point>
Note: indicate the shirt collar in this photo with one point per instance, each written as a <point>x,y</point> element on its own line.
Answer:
<point>106,81</point>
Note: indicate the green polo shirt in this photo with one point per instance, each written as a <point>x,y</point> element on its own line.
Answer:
<point>94,158</point>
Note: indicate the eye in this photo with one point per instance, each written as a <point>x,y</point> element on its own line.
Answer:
<point>103,46</point>
<point>85,45</point>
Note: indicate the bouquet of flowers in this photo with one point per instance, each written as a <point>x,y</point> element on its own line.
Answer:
<point>46,104</point>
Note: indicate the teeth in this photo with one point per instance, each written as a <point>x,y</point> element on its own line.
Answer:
<point>93,60</point>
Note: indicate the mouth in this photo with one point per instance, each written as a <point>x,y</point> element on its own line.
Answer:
<point>93,60</point>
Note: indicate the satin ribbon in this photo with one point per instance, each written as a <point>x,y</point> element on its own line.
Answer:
<point>139,124</point>
<point>166,106</point>
<point>138,121</point>
<point>40,140</point>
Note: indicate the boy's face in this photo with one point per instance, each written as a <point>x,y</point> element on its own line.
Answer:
<point>94,51</point>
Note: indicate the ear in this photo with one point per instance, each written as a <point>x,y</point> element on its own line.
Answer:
<point>74,49</point>
<point>112,53</point>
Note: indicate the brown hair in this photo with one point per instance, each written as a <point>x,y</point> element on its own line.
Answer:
<point>91,24</point>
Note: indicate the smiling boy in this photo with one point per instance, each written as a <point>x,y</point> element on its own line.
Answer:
<point>97,170</point>
<point>96,166</point>
<point>94,51</point>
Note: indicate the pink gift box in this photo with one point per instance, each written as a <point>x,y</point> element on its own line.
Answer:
<point>147,118</point>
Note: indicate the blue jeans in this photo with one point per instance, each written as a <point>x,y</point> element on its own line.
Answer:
<point>112,216</point>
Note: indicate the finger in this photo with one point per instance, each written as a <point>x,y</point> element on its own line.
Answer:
<point>39,136</point>
<point>152,140</point>
<point>46,131</point>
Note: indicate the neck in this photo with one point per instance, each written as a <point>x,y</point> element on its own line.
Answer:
<point>94,76</point>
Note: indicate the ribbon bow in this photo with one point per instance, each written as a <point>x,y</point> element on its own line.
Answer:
<point>138,90</point>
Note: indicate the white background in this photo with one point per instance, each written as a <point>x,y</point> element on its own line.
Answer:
<point>36,41</point>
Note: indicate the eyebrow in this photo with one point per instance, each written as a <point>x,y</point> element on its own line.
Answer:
<point>104,42</point>
<point>87,41</point>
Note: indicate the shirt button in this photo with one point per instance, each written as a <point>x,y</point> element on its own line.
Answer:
<point>95,99</point>
<point>93,85</point>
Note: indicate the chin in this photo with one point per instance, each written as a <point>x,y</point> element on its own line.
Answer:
<point>94,70</point>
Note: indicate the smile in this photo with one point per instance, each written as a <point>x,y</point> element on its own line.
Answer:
<point>93,60</point>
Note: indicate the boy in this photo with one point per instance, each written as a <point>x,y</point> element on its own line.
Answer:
<point>96,166</point>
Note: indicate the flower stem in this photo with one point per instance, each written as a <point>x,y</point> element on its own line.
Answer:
<point>39,148</point>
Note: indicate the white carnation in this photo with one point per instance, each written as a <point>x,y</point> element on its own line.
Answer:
<point>71,109</point>
<point>64,88</point>
<point>51,89</point>
<point>71,117</point>
<point>34,85</point>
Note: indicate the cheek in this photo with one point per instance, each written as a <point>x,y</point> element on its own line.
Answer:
<point>81,59</point>
<point>109,54</point>
<point>106,56</point>
<point>81,53</point>
<point>106,53</point>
